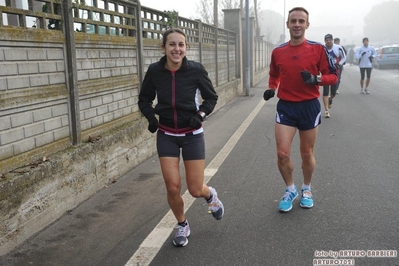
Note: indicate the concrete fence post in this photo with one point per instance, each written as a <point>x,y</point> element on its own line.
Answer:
<point>140,50</point>
<point>216,55</point>
<point>200,41</point>
<point>72,76</point>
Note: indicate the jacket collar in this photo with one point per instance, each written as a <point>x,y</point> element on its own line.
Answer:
<point>184,64</point>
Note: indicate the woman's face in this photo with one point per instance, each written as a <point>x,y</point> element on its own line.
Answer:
<point>175,48</point>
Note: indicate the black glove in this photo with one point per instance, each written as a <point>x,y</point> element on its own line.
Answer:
<point>309,78</point>
<point>363,53</point>
<point>371,59</point>
<point>196,121</point>
<point>153,125</point>
<point>268,94</point>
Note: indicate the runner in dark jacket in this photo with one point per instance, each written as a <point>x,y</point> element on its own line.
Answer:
<point>185,96</point>
<point>177,93</point>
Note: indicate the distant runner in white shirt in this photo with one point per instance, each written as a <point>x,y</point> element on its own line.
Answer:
<point>343,61</point>
<point>338,57</point>
<point>365,55</point>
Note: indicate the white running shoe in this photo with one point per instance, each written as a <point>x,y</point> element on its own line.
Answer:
<point>215,206</point>
<point>181,236</point>
<point>326,114</point>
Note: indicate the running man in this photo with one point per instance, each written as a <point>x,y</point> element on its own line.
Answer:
<point>297,69</point>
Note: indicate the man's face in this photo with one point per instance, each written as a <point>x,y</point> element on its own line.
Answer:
<point>329,42</point>
<point>297,24</point>
<point>366,43</point>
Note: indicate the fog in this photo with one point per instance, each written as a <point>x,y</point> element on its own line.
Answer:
<point>342,18</point>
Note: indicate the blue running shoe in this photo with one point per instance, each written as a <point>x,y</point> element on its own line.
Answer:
<point>286,201</point>
<point>306,199</point>
<point>181,236</point>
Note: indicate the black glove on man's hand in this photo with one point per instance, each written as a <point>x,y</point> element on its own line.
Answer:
<point>268,94</point>
<point>153,125</point>
<point>363,53</point>
<point>196,121</point>
<point>308,78</point>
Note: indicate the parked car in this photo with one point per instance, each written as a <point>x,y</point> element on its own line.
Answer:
<point>387,56</point>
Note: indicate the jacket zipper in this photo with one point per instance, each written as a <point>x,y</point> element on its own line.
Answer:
<point>174,100</point>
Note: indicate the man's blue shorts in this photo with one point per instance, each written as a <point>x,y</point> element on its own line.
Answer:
<point>302,115</point>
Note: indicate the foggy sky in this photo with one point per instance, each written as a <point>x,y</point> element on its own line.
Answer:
<point>337,14</point>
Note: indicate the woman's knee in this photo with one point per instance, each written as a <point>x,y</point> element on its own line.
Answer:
<point>197,191</point>
<point>173,189</point>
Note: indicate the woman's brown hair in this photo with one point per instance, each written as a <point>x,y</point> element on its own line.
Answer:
<point>169,31</point>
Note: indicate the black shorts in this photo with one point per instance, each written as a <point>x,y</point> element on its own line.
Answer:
<point>302,115</point>
<point>192,147</point>
<point>367,70</point>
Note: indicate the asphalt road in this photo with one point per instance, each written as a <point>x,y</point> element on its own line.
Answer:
<point>355,191</point>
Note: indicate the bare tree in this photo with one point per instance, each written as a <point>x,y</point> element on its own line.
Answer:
<point>256,18</point>
<point>269,22</point>
<point>206,9</point>
<point>230,4</point>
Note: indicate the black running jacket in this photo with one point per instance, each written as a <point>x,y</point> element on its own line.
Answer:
<point>178,94</point>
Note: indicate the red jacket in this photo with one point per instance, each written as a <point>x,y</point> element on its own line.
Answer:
<point>287,63</point>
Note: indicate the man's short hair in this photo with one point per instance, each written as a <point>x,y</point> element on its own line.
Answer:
<point>298,9</point>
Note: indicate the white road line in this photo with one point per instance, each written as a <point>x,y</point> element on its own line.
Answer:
<point>155,240</point>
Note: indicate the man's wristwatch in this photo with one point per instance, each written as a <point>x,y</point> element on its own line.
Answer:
<point>318,78</point>
<point>202,114</point>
